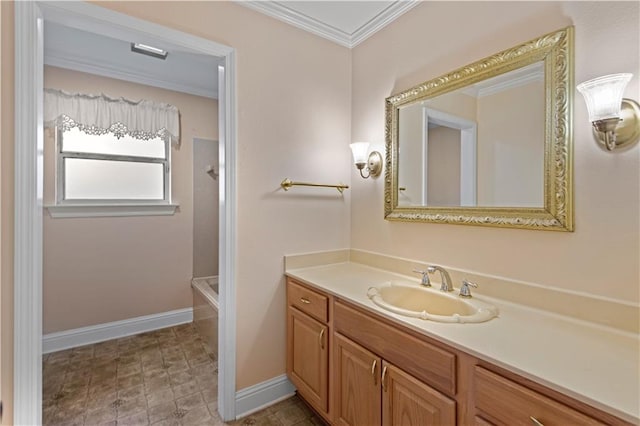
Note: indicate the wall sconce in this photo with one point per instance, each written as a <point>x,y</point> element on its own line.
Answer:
<point>373,161</point>
<point>616,121</point>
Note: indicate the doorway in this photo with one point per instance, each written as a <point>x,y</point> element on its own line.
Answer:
<point>30,19</point>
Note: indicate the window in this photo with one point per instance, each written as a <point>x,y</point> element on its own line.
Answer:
<point>104,168</point>
<point>113,155</point>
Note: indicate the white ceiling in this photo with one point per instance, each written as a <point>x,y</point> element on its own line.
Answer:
<point>182,70</point>
<point>345,22</point>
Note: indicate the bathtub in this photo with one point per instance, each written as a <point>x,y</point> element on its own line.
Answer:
<point>205,310</point>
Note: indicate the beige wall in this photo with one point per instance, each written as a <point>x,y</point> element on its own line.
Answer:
<point>411,155</point>
<point>294,108</point>
<point>205,208</point>
<point>602,256</point>
<point>443,167</point>
<point>510,148</point>
<point>98,270</point>
<point>6,209</point>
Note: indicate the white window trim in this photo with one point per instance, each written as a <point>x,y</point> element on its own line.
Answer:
<point>108,208</point>
<point>68,210</point>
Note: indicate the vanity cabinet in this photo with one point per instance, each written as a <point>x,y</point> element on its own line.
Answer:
<point>370,390</point>
<point>383,373</point>
<point>308,345</point>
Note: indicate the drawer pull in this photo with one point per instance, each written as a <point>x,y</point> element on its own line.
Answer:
<point>321,338</point>
<point>305,300</point>
<point>373,371</point>
<point>535,421</point>
<point>384,378</point>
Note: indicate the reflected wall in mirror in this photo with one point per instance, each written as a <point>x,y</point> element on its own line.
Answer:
<point>482,145</point>
<point>487,144</point>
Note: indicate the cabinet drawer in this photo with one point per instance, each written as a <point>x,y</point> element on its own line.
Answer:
<point>307,300</point>
<point>423,360</point>
<point>504,402</point>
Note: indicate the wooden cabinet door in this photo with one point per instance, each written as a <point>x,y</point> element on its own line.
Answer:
<point>356,384</point>
<point>407,401</point>
<point>308,358</point>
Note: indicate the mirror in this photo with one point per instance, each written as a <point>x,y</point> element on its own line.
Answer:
<point>487,144</point>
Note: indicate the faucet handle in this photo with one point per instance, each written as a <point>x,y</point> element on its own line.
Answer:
<point>465,291</point>
<point>425,277</point>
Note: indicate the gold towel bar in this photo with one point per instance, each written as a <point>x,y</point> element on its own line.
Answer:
<point>288,183</point>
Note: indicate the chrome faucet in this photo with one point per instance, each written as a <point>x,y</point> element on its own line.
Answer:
<point>425,277</point>
<point>445,278</point>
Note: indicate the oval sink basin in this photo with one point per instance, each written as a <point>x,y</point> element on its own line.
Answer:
<point>430,304</point>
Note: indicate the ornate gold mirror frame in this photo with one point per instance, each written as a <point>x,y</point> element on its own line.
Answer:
<point>556,52</point>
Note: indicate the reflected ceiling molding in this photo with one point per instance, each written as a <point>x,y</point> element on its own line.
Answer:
<point>510,80</point>
<point>300,20</point>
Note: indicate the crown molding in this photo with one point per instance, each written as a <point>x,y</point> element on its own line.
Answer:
<point>381,20</point>
<point>314,26</point>
<point>299,20</point>
<point>105,69</point>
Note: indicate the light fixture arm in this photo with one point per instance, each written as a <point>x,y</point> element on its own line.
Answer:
<point>374,165</point>
<point>372,162</point>
<point>620,132</point>
<point>607,129</point>
<point>363,166</point>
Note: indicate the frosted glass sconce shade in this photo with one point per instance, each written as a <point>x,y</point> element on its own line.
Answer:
<point>603,95</point>
<point>616,121</point>
<point>361,158</point>
<point>359,151</point>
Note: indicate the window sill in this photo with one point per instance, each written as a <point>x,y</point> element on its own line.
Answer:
<point>110,210</point>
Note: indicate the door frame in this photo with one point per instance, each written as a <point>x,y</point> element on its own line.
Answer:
<point>30,17</point>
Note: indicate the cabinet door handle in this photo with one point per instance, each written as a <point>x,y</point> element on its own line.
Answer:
<point>535,421</point>
<point>321,338</point>
<point>373,371</point>
<point>384,378</point>
<point>305,300</point>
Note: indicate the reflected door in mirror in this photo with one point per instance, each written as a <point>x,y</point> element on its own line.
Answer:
<point>482,145</point>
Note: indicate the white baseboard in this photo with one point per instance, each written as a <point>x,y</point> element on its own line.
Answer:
<point>256,397</point>
<point>113,330</point>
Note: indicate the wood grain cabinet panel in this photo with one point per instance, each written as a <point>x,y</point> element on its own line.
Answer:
<point>479,421</point>
<point>356,384</point>
<point>308,359</point>
<point>408,402</point>
<point>419,358</point>
<point>504,402</point>
<point>308,301</point>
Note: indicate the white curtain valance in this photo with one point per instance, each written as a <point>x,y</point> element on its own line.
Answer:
<point>99,114</point>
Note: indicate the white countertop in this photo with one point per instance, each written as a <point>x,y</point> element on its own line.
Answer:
<point>590,363</point>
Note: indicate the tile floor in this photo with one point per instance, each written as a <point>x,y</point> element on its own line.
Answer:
<point>164,377</point>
